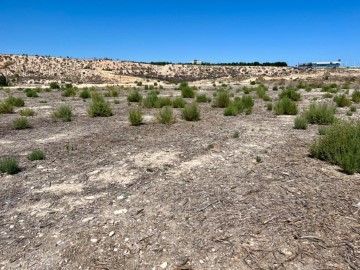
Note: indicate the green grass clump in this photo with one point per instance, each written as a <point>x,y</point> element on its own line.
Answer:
<point>21,123</point>
<point>322,114</point>
<point>231,110</point>
<point>222,99</point>
<point>290,93</point>
<point>99,107</point>
<point>31,93</point>
<point>261,91</point>
<point>300,122</point>
<point>202,98</point>
<point>16,102</point>
<point>355,97</point>
<point>6,108</point>
<point>178,103</point>
<point>330,88</point>
<point>340,145</point>
<point>134,96</point>
<point>285,106</point>
<point>352,108</point>
<point>27,112</point>
<point>166,116</point>
<point>275,88</point>
<point>111,92</point>
<point>191,112</point>
<point>328,95</point>
<point>187,91</point>
<point>85,93</point>
<point>342,100</point>
<point>150,100</point>
<point>54,85</point>
<point>64,113</point>
<point>69,92</point>
<point>36,155</point>
<point>269,106</point>
<point>9,165</point>
<point>236,134</point>
<point>162,102</point>
<point>135,117</point>
<point>247,101</point>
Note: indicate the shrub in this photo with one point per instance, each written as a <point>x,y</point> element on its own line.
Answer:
<point>9,165</point>
<point>355,97</point>
<point>252,83</point>
<point>261,91</point>
<point>231,110</point>
<point>54,85</point>
<point>332,88</point>
<point>85,93</point>
<point>340,145</point>
<point>150,100</point>
<point>275,88</point>
<point>135,117</point>
<point>111,92</point>
<point>300,122</point>
<point>21,123</point>
<point>201,98</point>
<point>162,102</point>
<point>69,92</point>
<point>285,106</point>
<point>166,116</point>
<point>36,155</point>
<point>291,94</point>
<point>187,91</point>
<point>269,106</point>
<point>322,130</point>
<point>247,90</point>
<point>222,99</point>
<point>258,159</point>
<point>99,107</point>
<point>135,96</point>
<point>328,95</point>
<point>247,101</point>
<point>352,108</point>
<point>116,101</point>
<point>16,102</point>
<point>236,134</point>
<point>178,103</point>
<point>139,83</point>
<point>342,100</point>
<point>349,113</point>
<point>322,114</point>
<point>31,93</point>
<point>191,112</point>
<point>6,108</point>
<point>27,112</point>
<point>64,113</point>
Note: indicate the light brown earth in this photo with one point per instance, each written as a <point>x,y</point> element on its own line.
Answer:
<point>185,196</point>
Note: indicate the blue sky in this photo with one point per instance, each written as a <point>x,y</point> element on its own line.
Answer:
<point>180,31</point>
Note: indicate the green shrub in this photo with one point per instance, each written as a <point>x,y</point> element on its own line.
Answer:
<point>16,102</point>
<point>99,107</point>
<point>285,106</point>
<point>328,95</point>
<point>291,94</point>
<point>222,99</point>
<point>201,98</point>
<point>322,130</point>
<point>135,117</point>
<point>332,88</point>
<point>191,112</point>
<point>352,108</point>
<point>31,93</point>
<point>269,106</point>
<point>187,92</point>
<point>111,92</point>
<point>178,103</point>
<point>6,108</point>
<point>27,112</point>
<point>340,145</point>
<point>69,92</point>
<point>261,91</point>
<point>9,165</point>
<point>349,113</point>
<point>150,100</point>
<point>64,113</point>
<point>116,101</point>
<point>300,122</point>
<point>231,110</point>
<point>54,85</point>
<point>236,134</point>
<point>275,88</point>
<point>162,102</point>
<point>166,116</point>
<point>247,90</point>
<point>342,100</point>
<point>36,155</point>
<point>139,83</point>
<point>322,114</point>
<point>252,83</point>
<point>85,93</point>
<point>21,123</point>
<point>247,101</point>
<point>135,96</point>
<point>355,97</point>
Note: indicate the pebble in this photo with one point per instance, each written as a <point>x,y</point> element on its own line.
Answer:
<point>121,211</point>
<point>93,240</point>
<point>87,219</point>
<point>164,265</point>
<point>111,233</point>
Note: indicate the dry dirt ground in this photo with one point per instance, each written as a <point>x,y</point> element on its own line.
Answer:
<point>185,196</point>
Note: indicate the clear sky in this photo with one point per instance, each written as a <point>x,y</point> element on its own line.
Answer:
<point>180,31</point>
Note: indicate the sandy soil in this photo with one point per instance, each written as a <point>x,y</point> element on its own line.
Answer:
<point>185,196</point>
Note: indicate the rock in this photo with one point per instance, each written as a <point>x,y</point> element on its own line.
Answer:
<point>111,233</point>
<point>93,240</point>
<point>121,211</point>
<point>164,265</point>
<point>87,219</point>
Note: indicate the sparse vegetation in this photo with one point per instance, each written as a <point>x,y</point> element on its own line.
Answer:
<point>9,165</point>
<point>202,98</point>
<point>222,99</point>
<point>16,102</point>
<point>178,103</point>
<point>187,91</point>
<point>6,108</point>
<point>63,113</point>
<point>290,93</point>
<point>135,117</point>
<point>85,93</point>
<point>99,107</point>
<point>134,96</point>
<point>300,122</point>
<point>285,106</point>
<point>322,114</point>
<point>31,93</point>
<point>162,102</point>
<point>21,123</point>
<point>191,112</point>
<point>27,112</point>
<point>342,100</point>
<point>166,116</point>
<point>69,92</point>
<point>36,155</point>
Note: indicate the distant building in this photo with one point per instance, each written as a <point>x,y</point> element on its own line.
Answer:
<point>335,64</point>
<point>197,62</point>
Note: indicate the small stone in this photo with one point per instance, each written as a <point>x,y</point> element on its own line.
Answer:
<point>12,226</point>
<point>93,240</point>
<point>201,261</point>
<point>164,265</point>
<point>87,219</point>
<point>111,233</point>
<point>121,211</point>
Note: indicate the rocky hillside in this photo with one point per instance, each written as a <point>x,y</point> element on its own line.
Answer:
<point>39,69</point>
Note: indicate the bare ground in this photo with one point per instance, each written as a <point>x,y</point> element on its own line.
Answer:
<point>185,196</point>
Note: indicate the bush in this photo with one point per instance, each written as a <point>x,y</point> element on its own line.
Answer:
<point>54,85</point>
<point>247,101</point>
<point>85,93</point>
<point>111,92</point>
<point>6,108</point>
<point>231,110</point>
<point>166,116</point>
<point>187,91</point>
<point>285,106</point>
<point>269,106</point>
<point>36,155</point>
<point>178,103</point>
<point>31,93</point>
<point>162,102</point>
<point>69,92</point>
<point>21,123</point>
<point>27,112</point>
<point>9,166</point>
<point>340,145</point>
<point>300,122</point>
<point>64,113</point>
<point>99,107</point>
<point>16,102</point>
<point>275,88</point>
<point>355,97</point>
<point>222,99</point>
<point>291,94</point>
<point>135,117</point>
<point>352,108</point>
<point>261,91</point>
<point>321,114</point>
<point>191,112</point>
<point>342,100</point>
<point>201,98</point>
<point>150,100</point>
<point>332,88</point>
<point>135,96</point>
<point>328,95</point>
